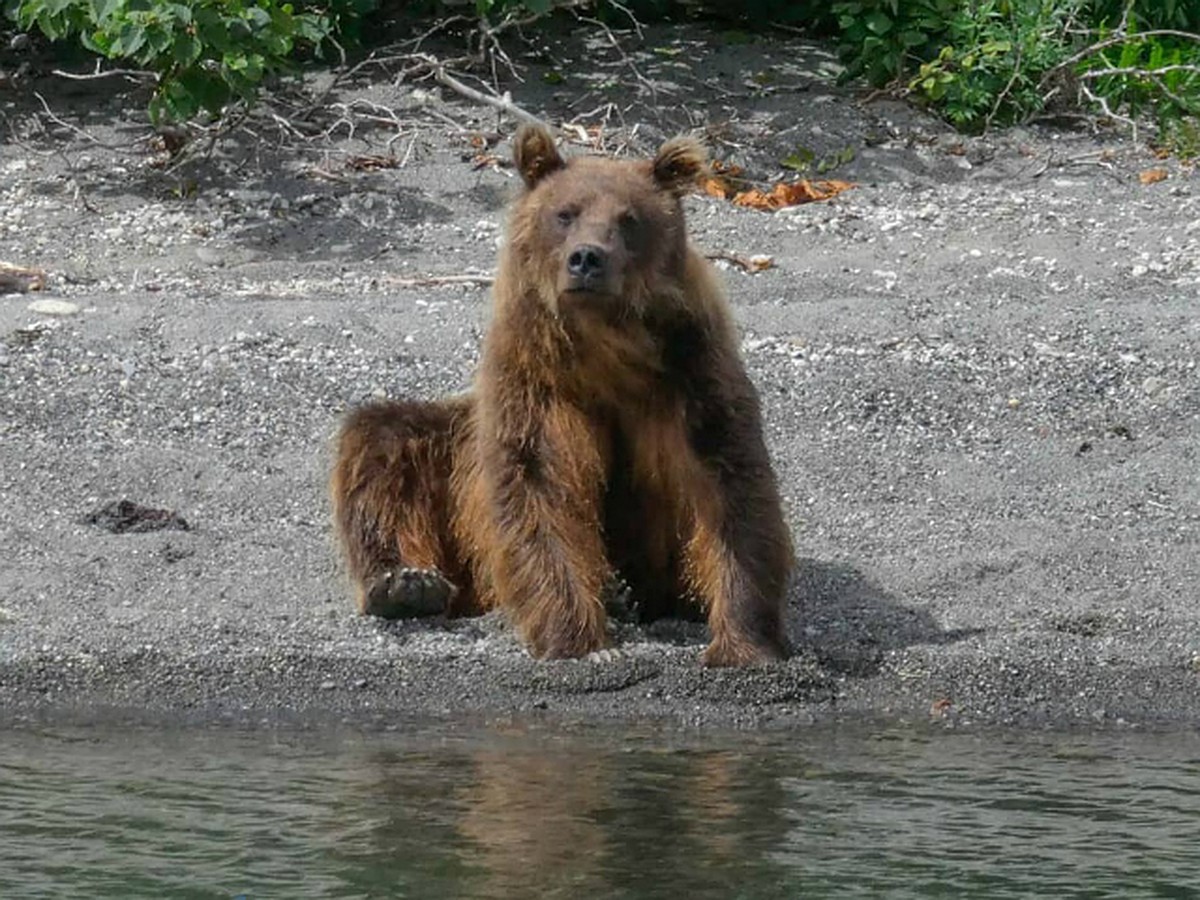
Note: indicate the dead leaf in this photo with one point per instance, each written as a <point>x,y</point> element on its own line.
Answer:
<point>717,187</point>
<point>751,264</point>
<point>484,160</point>
<point>791,194</point>
<point>1151,176</point>
<point>725,180</point>
<point>939,708</point>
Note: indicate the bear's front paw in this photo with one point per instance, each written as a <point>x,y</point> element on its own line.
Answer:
<point>570,644</point>
<point>408,594</point>
<point>725,653</point>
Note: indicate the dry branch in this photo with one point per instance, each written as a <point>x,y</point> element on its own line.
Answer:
<point>503,102</point>
<point>438,280</point>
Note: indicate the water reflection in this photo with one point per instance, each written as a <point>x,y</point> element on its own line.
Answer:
<point>517,813</point>
<point>571,816</point>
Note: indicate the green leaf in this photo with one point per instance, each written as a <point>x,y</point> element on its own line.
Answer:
<point>186,50</point>
<point>258,17</point>
<point>878,23</point>
<point>49,26</point>
<point>799,160</point>
<point>102,10</point>
<point>130,38</point>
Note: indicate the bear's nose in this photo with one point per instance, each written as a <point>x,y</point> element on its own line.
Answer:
<point>586,261</point>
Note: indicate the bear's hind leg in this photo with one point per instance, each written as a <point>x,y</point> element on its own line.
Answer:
<point>392,499</point>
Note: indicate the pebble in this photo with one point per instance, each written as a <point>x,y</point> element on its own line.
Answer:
<point>1153,386</point>
<point>48,306</point>
<point>327,685</point>
<point>209,256</point>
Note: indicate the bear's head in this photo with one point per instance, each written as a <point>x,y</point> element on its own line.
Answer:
<point>600,232</point>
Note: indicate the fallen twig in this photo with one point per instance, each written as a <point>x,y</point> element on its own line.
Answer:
<point>438,280</point>
<point>132,74</point>
<point>1138,71</point>
<point>503,102</point>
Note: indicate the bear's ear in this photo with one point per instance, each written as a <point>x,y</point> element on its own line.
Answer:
<point>534,153</point>
<point>679,164</point>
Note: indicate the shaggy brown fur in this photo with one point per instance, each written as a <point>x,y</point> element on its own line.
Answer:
<point>612,429</point>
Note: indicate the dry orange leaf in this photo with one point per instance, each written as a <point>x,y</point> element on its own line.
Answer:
<point>1150,176</point>
<point>792,194</point>
<point>718,187</point>
<point>721,180</point>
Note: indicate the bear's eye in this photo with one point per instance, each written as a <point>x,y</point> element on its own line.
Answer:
<point>629,222</point>
<point>565,217</point>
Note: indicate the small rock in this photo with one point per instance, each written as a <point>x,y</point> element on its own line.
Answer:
<point>209,256</point>
<point>48,306</point>
<point>1139,270</point>
<point>1153,386</point>
<point>327,685</point>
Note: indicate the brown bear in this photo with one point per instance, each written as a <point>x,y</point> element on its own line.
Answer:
<point>612,431</point>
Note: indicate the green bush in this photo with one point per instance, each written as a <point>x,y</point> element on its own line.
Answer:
<point>976,62</point>
<point>993,59</point>
<point>1183,15</point>
<point>982,61</point>
<point>880,39</point>
<point>204,52</point>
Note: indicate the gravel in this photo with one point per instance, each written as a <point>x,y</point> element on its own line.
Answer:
<point>978,368</point>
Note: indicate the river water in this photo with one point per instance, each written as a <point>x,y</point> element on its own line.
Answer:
<point>465,812</point>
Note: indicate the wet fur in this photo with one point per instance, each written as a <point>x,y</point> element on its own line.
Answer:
<point>612,429</point>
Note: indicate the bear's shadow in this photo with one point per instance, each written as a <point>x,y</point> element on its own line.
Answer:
<point>835,616</point>
<point>849,623</point>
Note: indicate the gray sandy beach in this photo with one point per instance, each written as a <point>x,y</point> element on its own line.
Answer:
<point>978,369</point>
